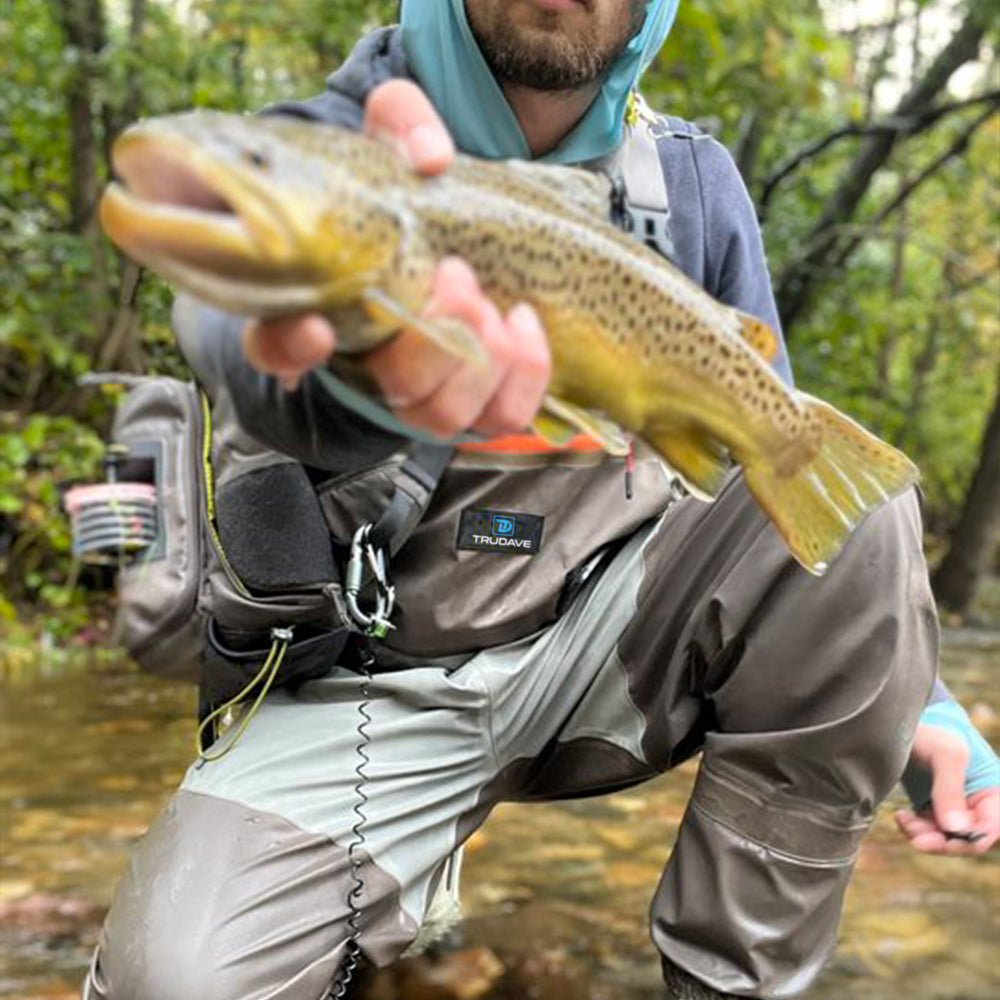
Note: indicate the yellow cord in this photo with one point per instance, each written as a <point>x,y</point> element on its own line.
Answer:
<point>267,673</point>
<point>206,455</point>
<point>632,109</point>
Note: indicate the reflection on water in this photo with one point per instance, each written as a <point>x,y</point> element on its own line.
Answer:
<point>560,890</point>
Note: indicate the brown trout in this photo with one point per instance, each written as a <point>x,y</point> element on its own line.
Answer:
<point>269,216</point>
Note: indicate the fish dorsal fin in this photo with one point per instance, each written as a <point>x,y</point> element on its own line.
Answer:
<point>567,185</point>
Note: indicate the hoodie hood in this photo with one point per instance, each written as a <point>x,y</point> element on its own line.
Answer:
<point>445,59</point>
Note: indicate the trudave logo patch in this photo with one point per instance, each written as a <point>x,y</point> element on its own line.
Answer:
<point>500,531</point>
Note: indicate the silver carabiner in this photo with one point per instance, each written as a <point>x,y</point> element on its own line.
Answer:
<point>374,622</point>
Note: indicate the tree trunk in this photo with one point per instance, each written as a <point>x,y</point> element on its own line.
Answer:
<point>796,284</point>
<point>747,145</point>
<point>82,25</point>
<point>127,111</point>
<point>975,537</point>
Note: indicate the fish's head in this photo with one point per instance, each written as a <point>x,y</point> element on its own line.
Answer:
<point>261,216</point>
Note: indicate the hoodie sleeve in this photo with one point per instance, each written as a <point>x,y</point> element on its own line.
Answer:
<point>306,424</point>
<point>736,269</point>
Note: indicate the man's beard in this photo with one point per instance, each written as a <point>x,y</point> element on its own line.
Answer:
<point>548,60</point>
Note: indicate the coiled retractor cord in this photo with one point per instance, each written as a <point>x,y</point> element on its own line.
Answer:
<point>352,949</point>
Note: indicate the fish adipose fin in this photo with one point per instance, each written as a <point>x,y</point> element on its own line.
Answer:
<point>818,505</point>
<point>559,422</point>
<point>758,335</point>
<point>450,334</point>
<point>700,460</point>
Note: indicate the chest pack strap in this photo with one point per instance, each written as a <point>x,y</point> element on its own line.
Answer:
<point>416,481</point>
<point>375,543</point>
<point>646,195</point>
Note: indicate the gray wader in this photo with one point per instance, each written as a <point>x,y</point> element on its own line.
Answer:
<point>701,634</point>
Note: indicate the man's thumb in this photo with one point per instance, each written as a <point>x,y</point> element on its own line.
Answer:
<point>948,764</point>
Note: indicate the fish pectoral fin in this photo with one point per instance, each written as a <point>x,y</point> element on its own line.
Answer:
<point>559,422</point>
<point>818,504</point>
<point>758,335</point>
<point>701,461</point>
<point>449,333</point>
<point>552,430</point>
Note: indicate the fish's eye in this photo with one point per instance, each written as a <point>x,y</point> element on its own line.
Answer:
<point>256,158</point>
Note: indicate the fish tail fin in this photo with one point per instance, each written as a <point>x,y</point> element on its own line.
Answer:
<point>816,507</point>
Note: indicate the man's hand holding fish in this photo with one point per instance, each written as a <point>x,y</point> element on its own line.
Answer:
<point>427,386</point>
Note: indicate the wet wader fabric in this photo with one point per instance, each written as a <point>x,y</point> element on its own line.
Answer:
<point>238,891</point>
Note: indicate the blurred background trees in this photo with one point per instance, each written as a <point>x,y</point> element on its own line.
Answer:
<point>868,134</point>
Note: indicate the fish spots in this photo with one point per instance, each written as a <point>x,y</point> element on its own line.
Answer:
<point>256,158</point>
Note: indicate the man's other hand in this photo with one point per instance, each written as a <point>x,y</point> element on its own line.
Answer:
<point>946,756</point>
<point>424,385</point>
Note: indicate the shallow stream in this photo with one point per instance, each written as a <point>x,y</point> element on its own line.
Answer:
<point>88,756</point>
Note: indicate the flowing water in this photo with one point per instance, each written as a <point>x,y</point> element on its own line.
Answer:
<point>558,891</point>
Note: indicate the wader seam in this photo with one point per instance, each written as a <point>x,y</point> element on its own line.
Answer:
<point>637,751</point>
<point>777,852</point>
<point>745,814</point>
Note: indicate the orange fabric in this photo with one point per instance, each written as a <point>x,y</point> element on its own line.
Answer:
<point>530,443</point>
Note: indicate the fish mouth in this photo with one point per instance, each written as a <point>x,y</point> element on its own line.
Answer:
<point>199,222</point>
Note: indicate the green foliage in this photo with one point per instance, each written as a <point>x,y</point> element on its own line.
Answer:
<point>39,456</point>
<point>905,335</point>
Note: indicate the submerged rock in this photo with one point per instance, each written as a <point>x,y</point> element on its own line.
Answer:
<point>468,974</point>
<point>47,913</point>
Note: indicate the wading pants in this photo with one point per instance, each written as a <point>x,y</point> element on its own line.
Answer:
<point>803,693</point>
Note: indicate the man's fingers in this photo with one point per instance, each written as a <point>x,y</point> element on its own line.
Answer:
<point>458,401</point>
<point>288,347</point>
<point>410,368</point>
<point>516,402</point>
<point>399,112</point>
<point>430,388</point>
<point>463,392</point>
<point>924,835</point>
<point>912,823</point>
<point>985,806</point>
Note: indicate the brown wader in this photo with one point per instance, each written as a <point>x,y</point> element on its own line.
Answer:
<point>701,634</point>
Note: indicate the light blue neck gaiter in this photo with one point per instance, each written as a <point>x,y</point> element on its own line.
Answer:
<point>445,60</point>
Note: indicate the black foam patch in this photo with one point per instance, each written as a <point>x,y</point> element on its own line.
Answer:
<point>273,532</point>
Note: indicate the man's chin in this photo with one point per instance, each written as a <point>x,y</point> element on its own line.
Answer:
<point>548,45</point>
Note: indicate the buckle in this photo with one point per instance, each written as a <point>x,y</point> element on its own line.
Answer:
<point>371,621</point>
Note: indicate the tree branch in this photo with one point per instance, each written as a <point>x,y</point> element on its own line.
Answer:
<point>795,286</point>
<point>900,127</point>
<point>879,63</point>
<point>906,190</point>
